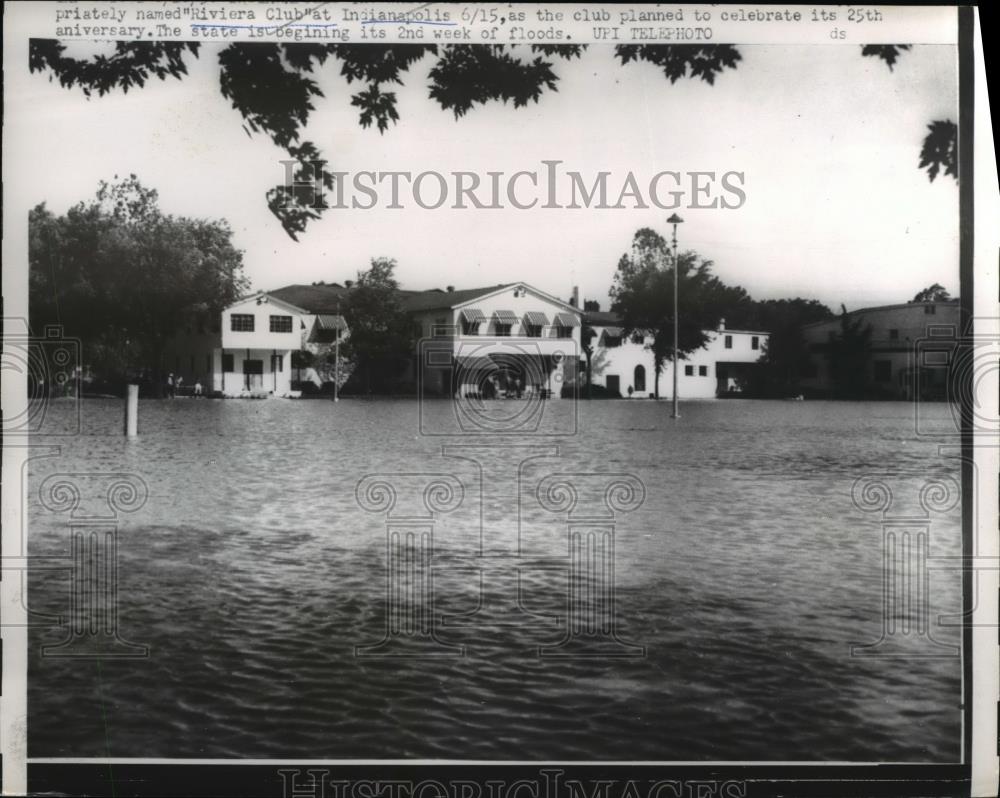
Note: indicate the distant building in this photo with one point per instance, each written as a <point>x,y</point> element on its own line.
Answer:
<point>909,350</point>
<point>620,363</point>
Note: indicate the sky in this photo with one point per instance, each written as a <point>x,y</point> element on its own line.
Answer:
<point>828,141</point>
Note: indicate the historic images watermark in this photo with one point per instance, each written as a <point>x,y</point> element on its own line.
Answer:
<point>51,364</point>
<point>547,186</point>
<point>497,442</point>
<point>549,783</point>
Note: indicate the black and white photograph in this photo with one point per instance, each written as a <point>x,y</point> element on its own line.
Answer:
<point>487,401</point>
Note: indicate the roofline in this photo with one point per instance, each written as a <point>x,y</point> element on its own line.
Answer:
<point>271,298</point>
<point>884,307</point>
<point>723,331</point>
<point>501,288</point>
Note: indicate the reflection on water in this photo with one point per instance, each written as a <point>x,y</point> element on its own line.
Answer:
<point>252,574</point>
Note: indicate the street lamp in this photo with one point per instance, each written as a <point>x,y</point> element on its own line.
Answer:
<point>336,369</point>
<point>675,220</point>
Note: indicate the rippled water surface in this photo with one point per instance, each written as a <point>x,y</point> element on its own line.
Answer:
<point>252,574</point>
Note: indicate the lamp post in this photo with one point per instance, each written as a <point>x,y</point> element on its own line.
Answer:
<point>336,368</point>
<point>675,220</point>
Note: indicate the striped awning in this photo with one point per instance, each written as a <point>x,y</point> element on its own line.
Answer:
<point>505,316</point>
<point>536,318</point>
<point>567,320</point>
<point>327,328</point>
<point>473,315</point>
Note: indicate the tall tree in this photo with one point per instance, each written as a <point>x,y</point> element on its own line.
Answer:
<point>125,278</point>
<point>932,293</point>
<point>381,333</point>
<point>786,356</point>
<point>848,352</point>
<point>273,88</point>
<point>642,294</point>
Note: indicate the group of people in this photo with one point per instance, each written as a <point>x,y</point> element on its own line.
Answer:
<point>173,386</point>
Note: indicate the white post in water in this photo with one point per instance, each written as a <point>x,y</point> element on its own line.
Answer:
<point>132,411</point>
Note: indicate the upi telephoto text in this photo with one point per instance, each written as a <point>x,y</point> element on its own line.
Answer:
<point>522,190</point>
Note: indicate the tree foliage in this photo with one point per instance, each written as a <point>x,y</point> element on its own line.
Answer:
<point>642,294</point>
<point>124,277</point>
<point>273,87</point>
<point>848,352</point>
<point>932,293</point>
<point>786,357</point>
<point>381,332</point>
<point>940,149</point>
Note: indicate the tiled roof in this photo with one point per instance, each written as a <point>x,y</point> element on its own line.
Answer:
<point>435,299</point>
<point>329,298</point>
<point>601,318</point>
<point>313,298</point>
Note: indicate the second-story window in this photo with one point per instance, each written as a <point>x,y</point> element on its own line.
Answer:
<point>502,330</point>
<point>241,322</point>
<point>281,324</point>
<point>754,342</point>
<point>729,342</point>
<point>533,330</point>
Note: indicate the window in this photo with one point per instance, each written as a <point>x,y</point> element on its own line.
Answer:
<point>639,378</point>
<point>564,332</point>
<point>241,322</point>
<point>281,324</point>
<point>533,330</point>
<point>702,371</point>
<point>893,335</point>
<point>253,366</point>
<point>502,330</point>
<point>470,327</point>
<point>729,342</point>
<point>883,370</point>
<point>227,363</point>
<point>276,362</point>
<point>440,327</point>
<point>689,371</point>
<point>930,310</point>
<point>754,342</point>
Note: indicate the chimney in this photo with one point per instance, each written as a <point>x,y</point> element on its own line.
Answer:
<point>575,299</point>
<point>722,324</point>
<point>348,283</point>
<point>449,288</point>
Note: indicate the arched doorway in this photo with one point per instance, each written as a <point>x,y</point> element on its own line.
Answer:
<point>639,378</point>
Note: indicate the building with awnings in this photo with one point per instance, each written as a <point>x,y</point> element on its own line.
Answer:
<point>247,351</point>
<point>502,340</point>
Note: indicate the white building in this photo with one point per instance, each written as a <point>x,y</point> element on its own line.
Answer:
<point>625,365</point>
<point>501,339</point>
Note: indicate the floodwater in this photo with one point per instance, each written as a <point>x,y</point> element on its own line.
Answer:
<point>255,571</point>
